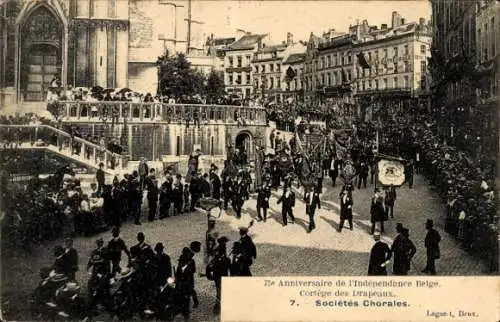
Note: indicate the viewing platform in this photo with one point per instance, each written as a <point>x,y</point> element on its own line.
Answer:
<point>130,112</point>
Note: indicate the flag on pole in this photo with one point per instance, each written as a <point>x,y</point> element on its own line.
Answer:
<point>362,61</point>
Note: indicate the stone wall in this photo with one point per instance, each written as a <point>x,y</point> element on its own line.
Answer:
<point>154,141</point>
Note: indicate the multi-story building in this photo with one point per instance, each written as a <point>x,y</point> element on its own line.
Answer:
<point>335,66</point>
<point>277,70</point>
<point>453,60</point>
<point>237,64</point>
<point>309,73</point>
<point>487,74</point>
<point>391,70</point>
<point>292,70</point>
<point>108,43</point>
<point>266,65</point>
<point>370,67</point>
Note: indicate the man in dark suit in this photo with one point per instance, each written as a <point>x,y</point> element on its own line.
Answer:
<point>152,186</point>
<point>69,259</point>
<point>238,199</point>
<point>312,202</point>
<point>162,265</point>
<point>141,253</point>
<point>227,187</point>
<point>398,250</point>
<point>166,197</point>
<point>346,203</point>
<point>377,211</point>
<point>379,257</point>
<point>432,240</point>
<point>287,200</point>
<point>100,178</point>
<point>390,199</point>
<point>263,195</point>
<point>246,243</point>
<point>115,248</point>
<point>216,183</point>
<point>196,190</point>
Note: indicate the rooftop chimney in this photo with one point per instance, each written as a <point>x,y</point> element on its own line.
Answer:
<point>403,20</point>
<point>396,19</point>
<point>383,26</point>
<point>421,21</point>
<point>289,38</point>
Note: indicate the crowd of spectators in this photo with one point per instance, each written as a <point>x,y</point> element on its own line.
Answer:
<point>466,185</point>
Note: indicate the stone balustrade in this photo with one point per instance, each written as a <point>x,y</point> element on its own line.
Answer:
<point>161,112</point>
<point>40,135</point>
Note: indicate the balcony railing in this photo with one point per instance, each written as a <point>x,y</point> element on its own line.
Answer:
<point>41,135</point>
<point>161,112</point>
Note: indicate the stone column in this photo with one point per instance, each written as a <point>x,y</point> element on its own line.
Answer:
<point>101,54</point>
<point>121,53</point>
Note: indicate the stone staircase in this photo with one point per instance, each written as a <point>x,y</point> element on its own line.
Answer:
<point>58,142</point>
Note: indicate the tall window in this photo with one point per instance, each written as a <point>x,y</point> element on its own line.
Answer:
<point>238,79</point>
<point>385,53</point>
<point>422,49</point>
<point>327,61</point>
<point>395,82</point>
<point>493,38</point>
<point>248,78</point>
<point>230,61</point>
<point>407,66</point>
<point>334,59</point>
<point>395,51</point>
<point>376,84</point>
<point>396,69</point>
<point>271,67</point>
<point>230,79</point>
<point>406,50</point>
<point>423,67</point>
<point>349,58</point>
<point>407,82</point>
<point>278,82</point>
<point>239,61</point>
<point>386,85</point>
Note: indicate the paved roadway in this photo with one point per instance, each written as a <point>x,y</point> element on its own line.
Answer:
<point>281,250</point>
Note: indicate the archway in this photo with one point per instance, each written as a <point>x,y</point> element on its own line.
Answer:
<point>244,142</point>
<point>41,49</point>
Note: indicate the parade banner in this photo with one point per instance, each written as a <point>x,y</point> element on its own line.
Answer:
<point>347,298</point>
<point>391,172</point>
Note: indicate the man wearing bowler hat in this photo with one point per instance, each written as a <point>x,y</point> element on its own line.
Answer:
<point>432,240</point>
<point>379,257</point>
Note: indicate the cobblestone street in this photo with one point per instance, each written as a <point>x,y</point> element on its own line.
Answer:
<point>281,250</point>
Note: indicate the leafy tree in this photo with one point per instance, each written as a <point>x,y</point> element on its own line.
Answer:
<point>176,78</point>
<point>214,88</point>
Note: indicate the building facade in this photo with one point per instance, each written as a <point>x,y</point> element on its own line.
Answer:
<point>271,75</point>
<point>369,67</point>
<point>292,70</point>
<point>107,43</point>
<point>488,74</point>
<point>465,69</point>
<point>392,66</point>
<point>237,66</point>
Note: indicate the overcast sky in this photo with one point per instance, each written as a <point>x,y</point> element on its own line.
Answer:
<point>223,17</point>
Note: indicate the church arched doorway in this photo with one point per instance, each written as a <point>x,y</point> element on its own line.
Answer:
<point>41,38</point>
